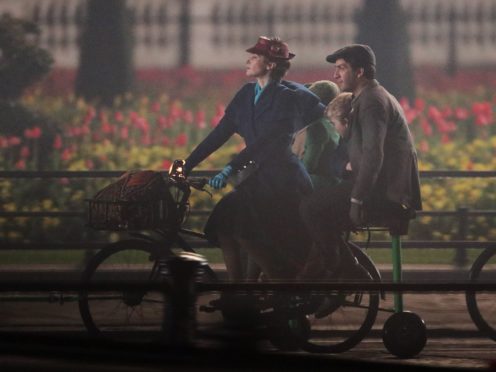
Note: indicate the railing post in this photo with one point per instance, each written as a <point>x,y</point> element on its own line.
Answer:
<point>184,34</point>
<point>452,60</point>
<point>461,259</point>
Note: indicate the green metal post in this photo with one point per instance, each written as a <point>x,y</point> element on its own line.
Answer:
<point>396,256</point>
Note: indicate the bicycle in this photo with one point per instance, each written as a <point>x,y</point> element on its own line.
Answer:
<point>125,314</point>
<point>141,258</point>
<point>482,305</point>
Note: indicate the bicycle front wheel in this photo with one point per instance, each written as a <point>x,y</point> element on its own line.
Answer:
<point>125,315</point>
<point>482,305</point>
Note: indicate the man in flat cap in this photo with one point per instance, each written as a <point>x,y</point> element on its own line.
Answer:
<point>382,158</point>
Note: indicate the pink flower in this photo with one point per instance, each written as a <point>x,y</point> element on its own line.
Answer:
<point>215,120</point>
<point>200,119</point>
<point>188,117</point>
<point>220,109</point>
<point>124,133</point>
<point>89,164</point>
<point>461,113</point>
<point>175,110</point>
<point>424,146</point>
<point>165,141</point>
<point>14,141</point>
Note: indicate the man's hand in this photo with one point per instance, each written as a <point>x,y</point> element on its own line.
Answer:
<point>356,212</point>
<point>220,180</point>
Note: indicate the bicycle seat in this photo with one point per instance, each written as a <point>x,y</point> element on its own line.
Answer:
<point>391,216</point>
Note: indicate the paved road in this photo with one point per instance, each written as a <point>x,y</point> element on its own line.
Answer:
<point>51,337</point>
<point>47,329</point>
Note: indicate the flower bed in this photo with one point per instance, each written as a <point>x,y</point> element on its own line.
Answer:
<point>452,130</point>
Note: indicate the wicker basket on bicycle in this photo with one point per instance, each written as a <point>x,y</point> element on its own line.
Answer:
<point>138,200</point>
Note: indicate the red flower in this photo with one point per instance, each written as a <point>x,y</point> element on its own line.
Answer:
<point>4,143</point>
<point>419,104</point>
<point>90,115</point>
<point>66,154</point>
<point>25,152</point>
<point>162,122</point>
<point>133,116</point>
<point>89,164</point>
<point>483,113</point>
<point>36,132</point>
<point>426,127</point>
<point>166,164</point>
<point>181,140</point>
<point>20,164</point>
<point>165,141</point>
<point>107,128</point>
<point>57,142</point>
<point>118,117</point>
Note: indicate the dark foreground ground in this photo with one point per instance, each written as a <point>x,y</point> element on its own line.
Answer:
<point>47,334</point>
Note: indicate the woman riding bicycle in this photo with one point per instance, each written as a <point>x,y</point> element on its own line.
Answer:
<point>261,215</point>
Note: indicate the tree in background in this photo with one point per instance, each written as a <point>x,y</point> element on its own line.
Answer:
<point>22,62</point>
<point>105,65</point>
<point>383,26</point>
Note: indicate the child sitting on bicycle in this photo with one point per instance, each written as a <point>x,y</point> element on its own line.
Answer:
<point>338,168</point>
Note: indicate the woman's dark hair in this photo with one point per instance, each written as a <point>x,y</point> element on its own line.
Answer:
<point>280,70</point>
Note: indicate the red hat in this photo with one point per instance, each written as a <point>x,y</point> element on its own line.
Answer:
<point>271,48</point>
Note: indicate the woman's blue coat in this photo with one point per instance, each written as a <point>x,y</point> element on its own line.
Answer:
<point>267,128</point>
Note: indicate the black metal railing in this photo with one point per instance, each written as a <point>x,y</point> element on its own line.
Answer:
<point>462,214</point>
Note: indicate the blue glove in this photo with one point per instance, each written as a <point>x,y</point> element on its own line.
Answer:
<point>220,180</point>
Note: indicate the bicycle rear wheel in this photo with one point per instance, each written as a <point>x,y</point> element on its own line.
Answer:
<point>345,327</point>
<point>125,315</point>
<point>482,305</point>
